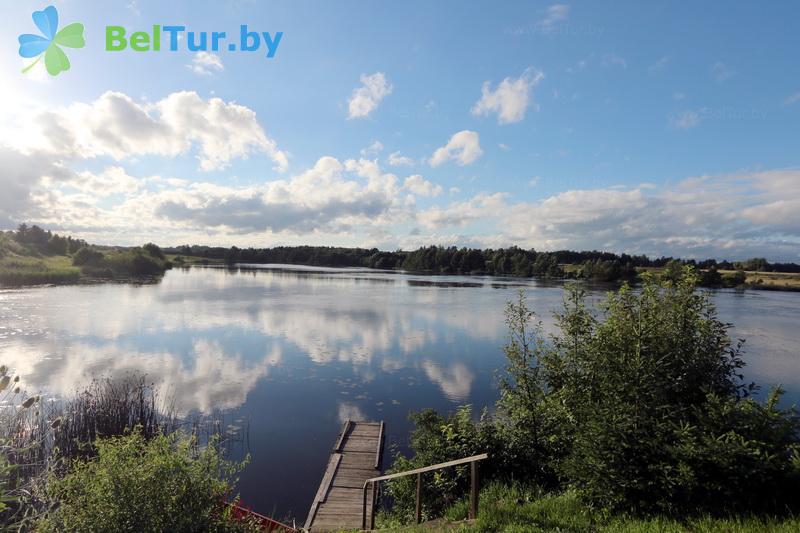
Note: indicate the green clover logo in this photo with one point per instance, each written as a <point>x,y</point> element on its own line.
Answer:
<point>48,44</point>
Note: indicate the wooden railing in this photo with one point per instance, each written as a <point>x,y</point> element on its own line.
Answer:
<point>473,491</point>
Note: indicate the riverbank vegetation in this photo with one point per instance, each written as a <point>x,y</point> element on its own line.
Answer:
<point>33,256</point>
<point>513,262</point>
<point>109,459</point>
<point>635,418</point>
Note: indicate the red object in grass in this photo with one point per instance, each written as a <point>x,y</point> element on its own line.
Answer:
<point>240,512</point>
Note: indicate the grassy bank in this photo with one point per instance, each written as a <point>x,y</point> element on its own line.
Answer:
<point>778,281</point>
<point>509,508</point>
<point>16,270</point>
<point>51,259</point>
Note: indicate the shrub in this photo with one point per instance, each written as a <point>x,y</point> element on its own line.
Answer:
<point>87,257</point>
<point>656,415</point>
<point>139,485</point>
<point>153,250</point>
<point>437,439</point>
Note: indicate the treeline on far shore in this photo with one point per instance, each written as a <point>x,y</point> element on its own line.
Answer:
<point>513,261</point>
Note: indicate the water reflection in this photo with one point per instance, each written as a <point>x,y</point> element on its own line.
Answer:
<point>298,350</point>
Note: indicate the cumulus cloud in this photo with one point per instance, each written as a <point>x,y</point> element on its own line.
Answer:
<point>330,196</point>
<point>206,64</point>
<point>21,174</point>
<point>422,187</point>
<point>732,216</point>
<point>372,150</point>
<point>115,125</point>
<point>464,147</point>
<point>110,181</point>
<point>685,120</point>
<point>482,206</point>
<point>793,99</point>
<point>553,15</point>
<point>397,160</point>
<point>365,99</point>
<point>510,99</point>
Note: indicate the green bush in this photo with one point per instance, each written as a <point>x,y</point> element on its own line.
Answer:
<point>655,416</point>
<point>438,439</point>
<point>637,406</point>
<point>139,485</point>
<point>87,257</point>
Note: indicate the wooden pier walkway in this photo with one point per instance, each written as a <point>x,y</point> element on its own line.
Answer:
<point>356,457</point>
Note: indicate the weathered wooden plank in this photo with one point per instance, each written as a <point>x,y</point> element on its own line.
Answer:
<point>340,497</point>
<point>324,486</point>
<point>342,436</point>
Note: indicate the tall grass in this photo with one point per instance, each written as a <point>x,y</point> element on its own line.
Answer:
<point>106,408</point>
<point>41,439</point>
<point>16,271</point>
<point>516,508</point>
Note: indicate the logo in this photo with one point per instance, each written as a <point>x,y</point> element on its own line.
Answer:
<point>50,42</point>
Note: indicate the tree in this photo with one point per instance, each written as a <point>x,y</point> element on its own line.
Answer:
<point>655,412</point>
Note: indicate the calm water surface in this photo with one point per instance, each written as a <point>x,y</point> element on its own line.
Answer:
<point>296,350</point>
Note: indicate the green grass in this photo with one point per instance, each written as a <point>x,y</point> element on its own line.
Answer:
<point>18,270</point>
<point>22,265</point>
<point>514,509</point>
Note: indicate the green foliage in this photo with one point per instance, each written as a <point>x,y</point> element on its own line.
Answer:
<point>20,451</point>
<point>438,439</point>
<point>515,508</point>
<point>638,406</point>
<point>525,422</point>
<point>86,256</point>
<point>139,485</point>
<point>656,417</point>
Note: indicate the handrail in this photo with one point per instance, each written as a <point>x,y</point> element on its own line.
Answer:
<point>457,462</point>
<point>473,508</point>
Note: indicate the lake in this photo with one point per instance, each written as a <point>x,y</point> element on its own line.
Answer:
<point>293,351</point>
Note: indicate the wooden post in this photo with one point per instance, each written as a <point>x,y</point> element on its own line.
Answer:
<point>374,502</point>
<point>364,510</point>
<point>419,498</point>
<point>474,489</point>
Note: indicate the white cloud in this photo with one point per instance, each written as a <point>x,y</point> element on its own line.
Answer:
<point>793,99</point>
<point>372,150</point>
<point>366,98</point>
<point>206,64</point>
<point>115,125</point>
<point>481,206</point>
<point>422,187</point>
<point>613,60</point>
<point>721,72</point>
<point>397,160</point>
<point>112,180</point>
<point>464,147</point>
<point>685,120</point>
<point>331,196</point>
<point>729,216</point>
<point>510,99</point>
<point>553,15</point>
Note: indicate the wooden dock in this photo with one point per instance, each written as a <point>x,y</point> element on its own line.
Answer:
<point>356,457</point>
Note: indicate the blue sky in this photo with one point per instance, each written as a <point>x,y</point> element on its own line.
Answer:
<point>659,128</point>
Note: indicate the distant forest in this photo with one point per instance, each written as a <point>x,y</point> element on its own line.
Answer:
<point>516,262</point>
